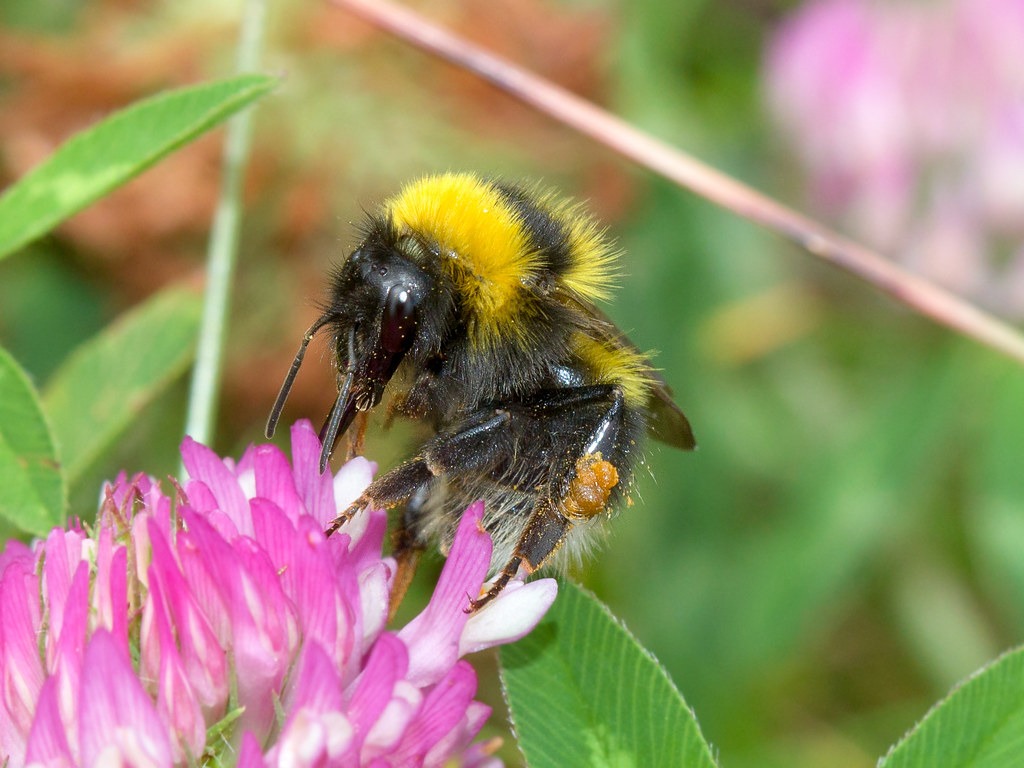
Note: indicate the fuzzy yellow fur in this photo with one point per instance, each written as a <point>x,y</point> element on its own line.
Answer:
<point>614,364</point>
<point>486,249</point>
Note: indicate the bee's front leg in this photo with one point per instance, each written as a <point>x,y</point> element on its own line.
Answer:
<point>388,490</point>
<point>473,446</point>
<point>477,442</point>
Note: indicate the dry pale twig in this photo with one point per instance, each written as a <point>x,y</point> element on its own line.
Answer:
<point>906,287</point>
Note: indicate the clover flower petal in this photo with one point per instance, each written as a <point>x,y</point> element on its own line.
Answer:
<point>908,122</point>
<point>224,606</point>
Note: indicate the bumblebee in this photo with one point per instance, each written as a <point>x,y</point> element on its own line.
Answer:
<point>470,302</point>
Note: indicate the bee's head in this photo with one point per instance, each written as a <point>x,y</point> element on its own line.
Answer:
<point>375,302</point>
<point>374,310</point>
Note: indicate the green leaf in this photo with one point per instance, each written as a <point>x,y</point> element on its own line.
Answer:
<point>100,388</point>
<point>580,685</point>
<point>995,525</point>
<point>980,724</point>
<point>115,150</point>
<point>32,490</point>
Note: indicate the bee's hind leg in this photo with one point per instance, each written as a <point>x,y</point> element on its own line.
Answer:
<point>581,481</point>
<point>544,533</point>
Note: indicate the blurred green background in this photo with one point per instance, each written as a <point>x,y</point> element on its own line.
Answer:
<point>847,542</point>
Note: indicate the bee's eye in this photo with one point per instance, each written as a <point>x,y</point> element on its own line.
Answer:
<point>399,319</point>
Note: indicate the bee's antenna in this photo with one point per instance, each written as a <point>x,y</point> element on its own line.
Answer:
<point>342,406</point>
<point>286,387</point>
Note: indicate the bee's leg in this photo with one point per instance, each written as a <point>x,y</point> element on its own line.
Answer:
<point>477,444</point>
<point>544,533</point>
<point>357,435</point>
<point>388,490</point>
<point>407,548</point>
<point>583,477</point>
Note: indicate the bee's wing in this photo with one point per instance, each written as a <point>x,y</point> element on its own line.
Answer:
<point>666,421</point>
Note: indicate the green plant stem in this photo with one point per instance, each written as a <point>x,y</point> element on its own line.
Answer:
<point>206,374</point>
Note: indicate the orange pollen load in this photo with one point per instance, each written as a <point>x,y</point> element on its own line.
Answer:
<point>591,487</point>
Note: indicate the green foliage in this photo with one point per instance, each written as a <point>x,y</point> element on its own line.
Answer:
<point>33,486</point>
<point>115,150</point>
<point>979,725</point>
<point>846,543</point>
<point>101,388</point>
<point>47,308</point>
<point>580,684</point>
<point>995,527</point>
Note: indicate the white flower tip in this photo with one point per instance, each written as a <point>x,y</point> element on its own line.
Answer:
<point>512,614</point>
<point>351,480</point>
